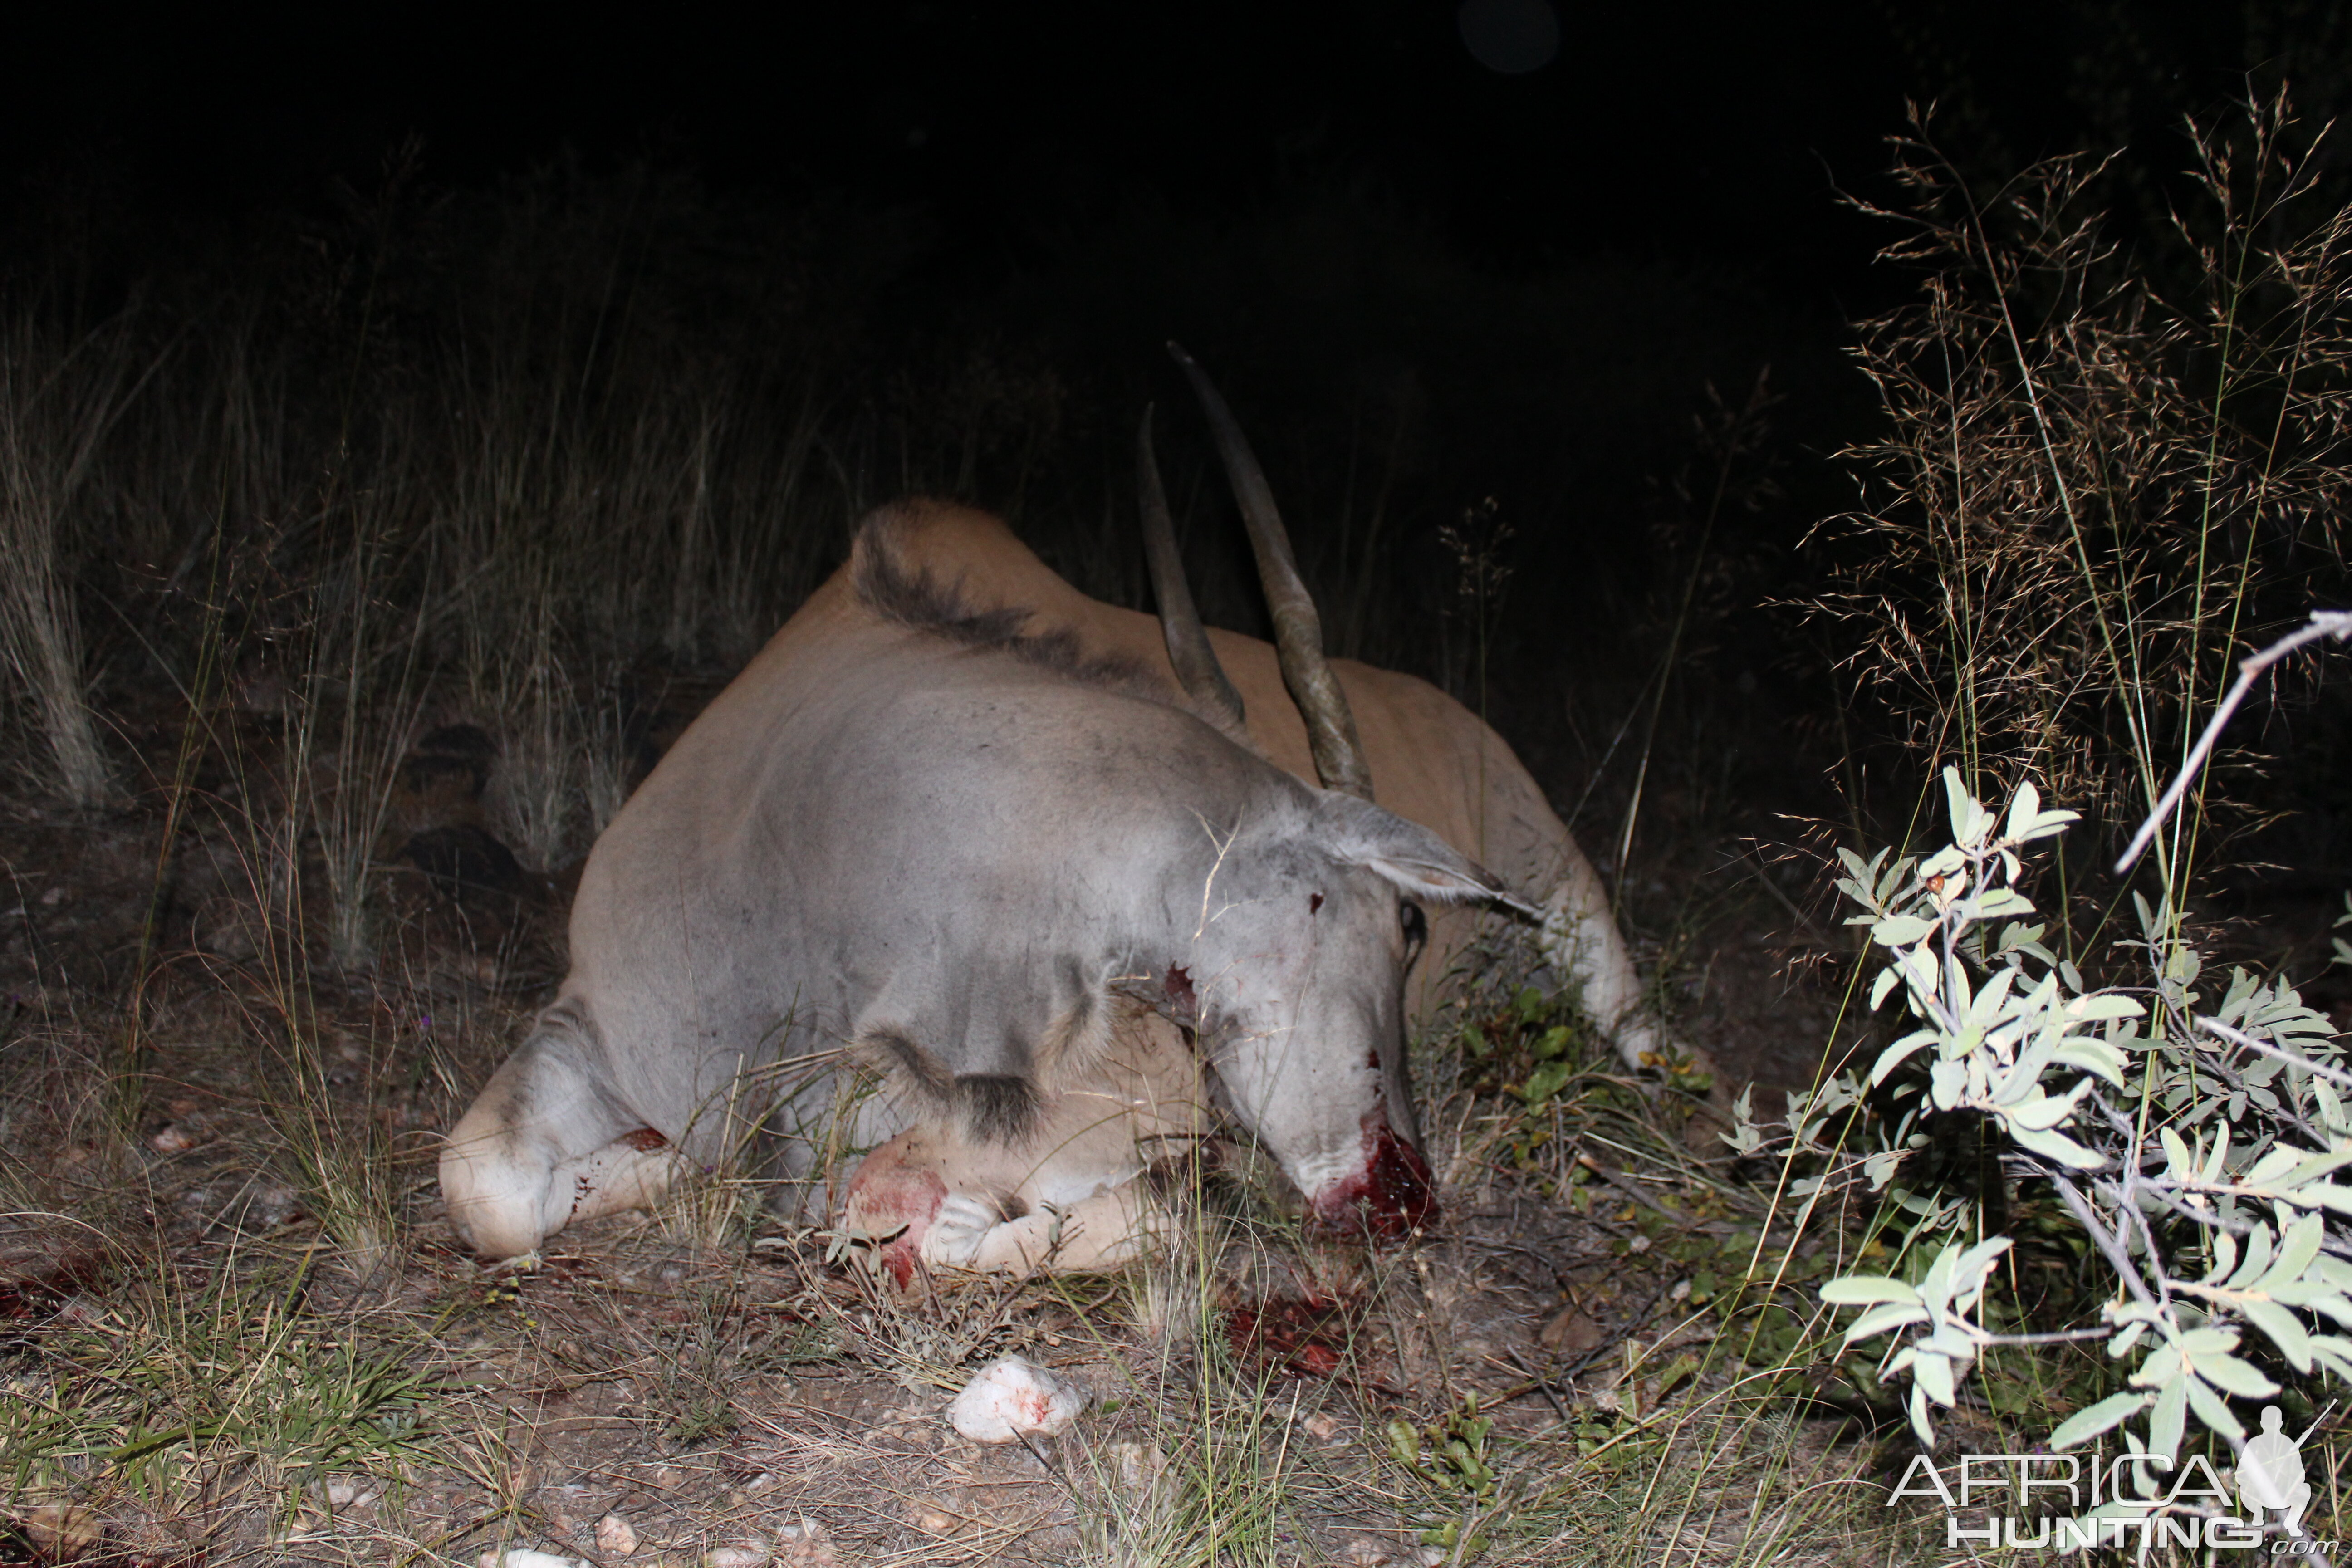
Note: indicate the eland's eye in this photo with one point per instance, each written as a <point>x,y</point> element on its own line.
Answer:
<point>1417,924</point>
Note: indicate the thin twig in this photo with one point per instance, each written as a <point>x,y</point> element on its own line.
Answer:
<point>2102,1238</point>
<point>1539,1385</point>
<point>2214,1026</point>
<point>1762,873</point>
<point>2060,1337</point>
<point>2337,624</point>
<point>2166,1193</point>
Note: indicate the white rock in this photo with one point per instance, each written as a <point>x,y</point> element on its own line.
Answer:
<point>524,1557</point>
<point>738,1554</point>
<point>64,1529</point>
<point>615,1536</point>
<point>1010,1395</point>
<point>345,1491</point>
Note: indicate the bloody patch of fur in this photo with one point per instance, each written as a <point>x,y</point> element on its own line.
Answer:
<point>1184,1002</point>
<point>1389,1197</point>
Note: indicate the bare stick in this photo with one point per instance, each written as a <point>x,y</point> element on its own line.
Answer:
<point>2337,624</point>
<point>2102,1238</point>
<point>2219,1030</point>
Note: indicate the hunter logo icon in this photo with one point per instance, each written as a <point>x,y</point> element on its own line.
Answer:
<point>2270,1473</point>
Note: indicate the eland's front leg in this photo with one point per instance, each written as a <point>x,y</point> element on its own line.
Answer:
<point>1072,1195</point>
<point>545,1144</point>
<point>930,1199</point>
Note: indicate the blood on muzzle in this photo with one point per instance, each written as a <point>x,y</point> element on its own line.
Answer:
<point>1388,1198</point>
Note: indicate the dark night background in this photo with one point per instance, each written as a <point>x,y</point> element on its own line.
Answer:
<point>1411,272</point>
<point>1689,134</point>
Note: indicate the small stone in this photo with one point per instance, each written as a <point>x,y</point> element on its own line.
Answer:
<point>1321,1426</point>
<point>615,1536</point>
<point>61,1532</point>
<point>1145,1494</point>
<point>271,1205</point>
<point>524,1557</point>
<point>1570,1333</point>
<point>1364,1553</point>
<point>172,1138</point>
<point>1141,1466</point>
<point>738,1554</point>
<point>1011,1395</point>
<point>805,1545</point>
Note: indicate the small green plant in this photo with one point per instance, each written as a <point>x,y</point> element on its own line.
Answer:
<point>1451,1452</point>
<point>1552,1071</point>
<point>174,1394</point>
<point>1453,1459</point>
<point>1522,1049</point>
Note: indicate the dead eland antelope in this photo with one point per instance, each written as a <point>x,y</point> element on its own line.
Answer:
<point>1013,850</point>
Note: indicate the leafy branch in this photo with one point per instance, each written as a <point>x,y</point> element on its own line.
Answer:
<point>2199,1152</point>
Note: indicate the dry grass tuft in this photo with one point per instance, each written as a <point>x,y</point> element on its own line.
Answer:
<point>2102,477</point>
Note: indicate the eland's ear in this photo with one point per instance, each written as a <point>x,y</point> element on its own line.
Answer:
<point>1409,855</point>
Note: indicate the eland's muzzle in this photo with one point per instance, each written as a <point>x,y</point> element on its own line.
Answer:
<point>1388,1198</point>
